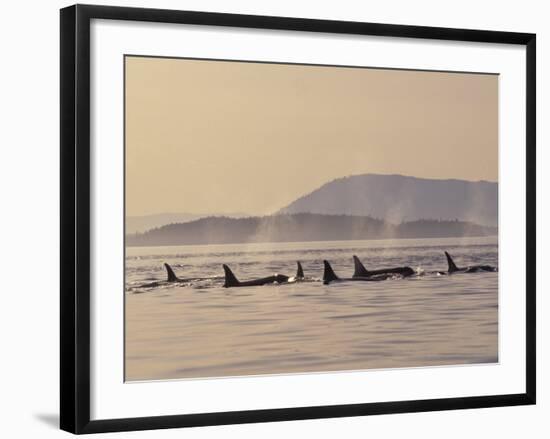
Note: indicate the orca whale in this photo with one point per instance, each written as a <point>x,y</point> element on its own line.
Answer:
<point>232,281</point>
<point>329,276</point>
<point>170,278</point>
<point>469,269</point>
<point>171,275</point>
<point>299,273</point>
<point>361,271</point>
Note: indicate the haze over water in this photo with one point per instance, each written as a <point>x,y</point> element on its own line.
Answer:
<point>200,329</point>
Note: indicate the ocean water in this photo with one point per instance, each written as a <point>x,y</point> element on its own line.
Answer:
<point>200,329</point>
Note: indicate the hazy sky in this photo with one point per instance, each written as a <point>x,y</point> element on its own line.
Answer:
<point>224,137</point>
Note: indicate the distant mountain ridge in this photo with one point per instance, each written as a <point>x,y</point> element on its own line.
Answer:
<point>299,227</point>
<point>142,223</point>
<point>398,198</point>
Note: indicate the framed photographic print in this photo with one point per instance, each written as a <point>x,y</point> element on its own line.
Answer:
<point>268,218</point>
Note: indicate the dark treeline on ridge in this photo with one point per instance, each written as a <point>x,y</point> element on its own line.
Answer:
<point>300,227</point>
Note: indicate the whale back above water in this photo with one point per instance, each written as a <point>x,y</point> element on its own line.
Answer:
<point>361,271</point>
<point>170,273</point>
<point>232,281</point>
<point>451,264</point>
<point>330,276</point>
<point>452,267</point>
<point>299,271</point>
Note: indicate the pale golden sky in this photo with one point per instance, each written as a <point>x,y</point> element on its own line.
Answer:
<point>223,137</point>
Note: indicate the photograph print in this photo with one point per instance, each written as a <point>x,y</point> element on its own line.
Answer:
<point>294,218</point>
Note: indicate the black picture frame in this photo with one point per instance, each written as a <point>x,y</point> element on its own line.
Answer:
<point>75,217</point>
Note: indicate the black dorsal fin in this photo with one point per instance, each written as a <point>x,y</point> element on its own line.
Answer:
<point>452,265</point>
<point>299,271</point>
<point>171,275</point>
<point>328,274</point>
<point>360,270</point>
<point>230,279</point>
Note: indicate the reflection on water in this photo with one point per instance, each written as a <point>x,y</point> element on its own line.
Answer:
<point>200,329</point>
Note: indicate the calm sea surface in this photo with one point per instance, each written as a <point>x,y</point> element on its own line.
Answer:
<point>200,329</point>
